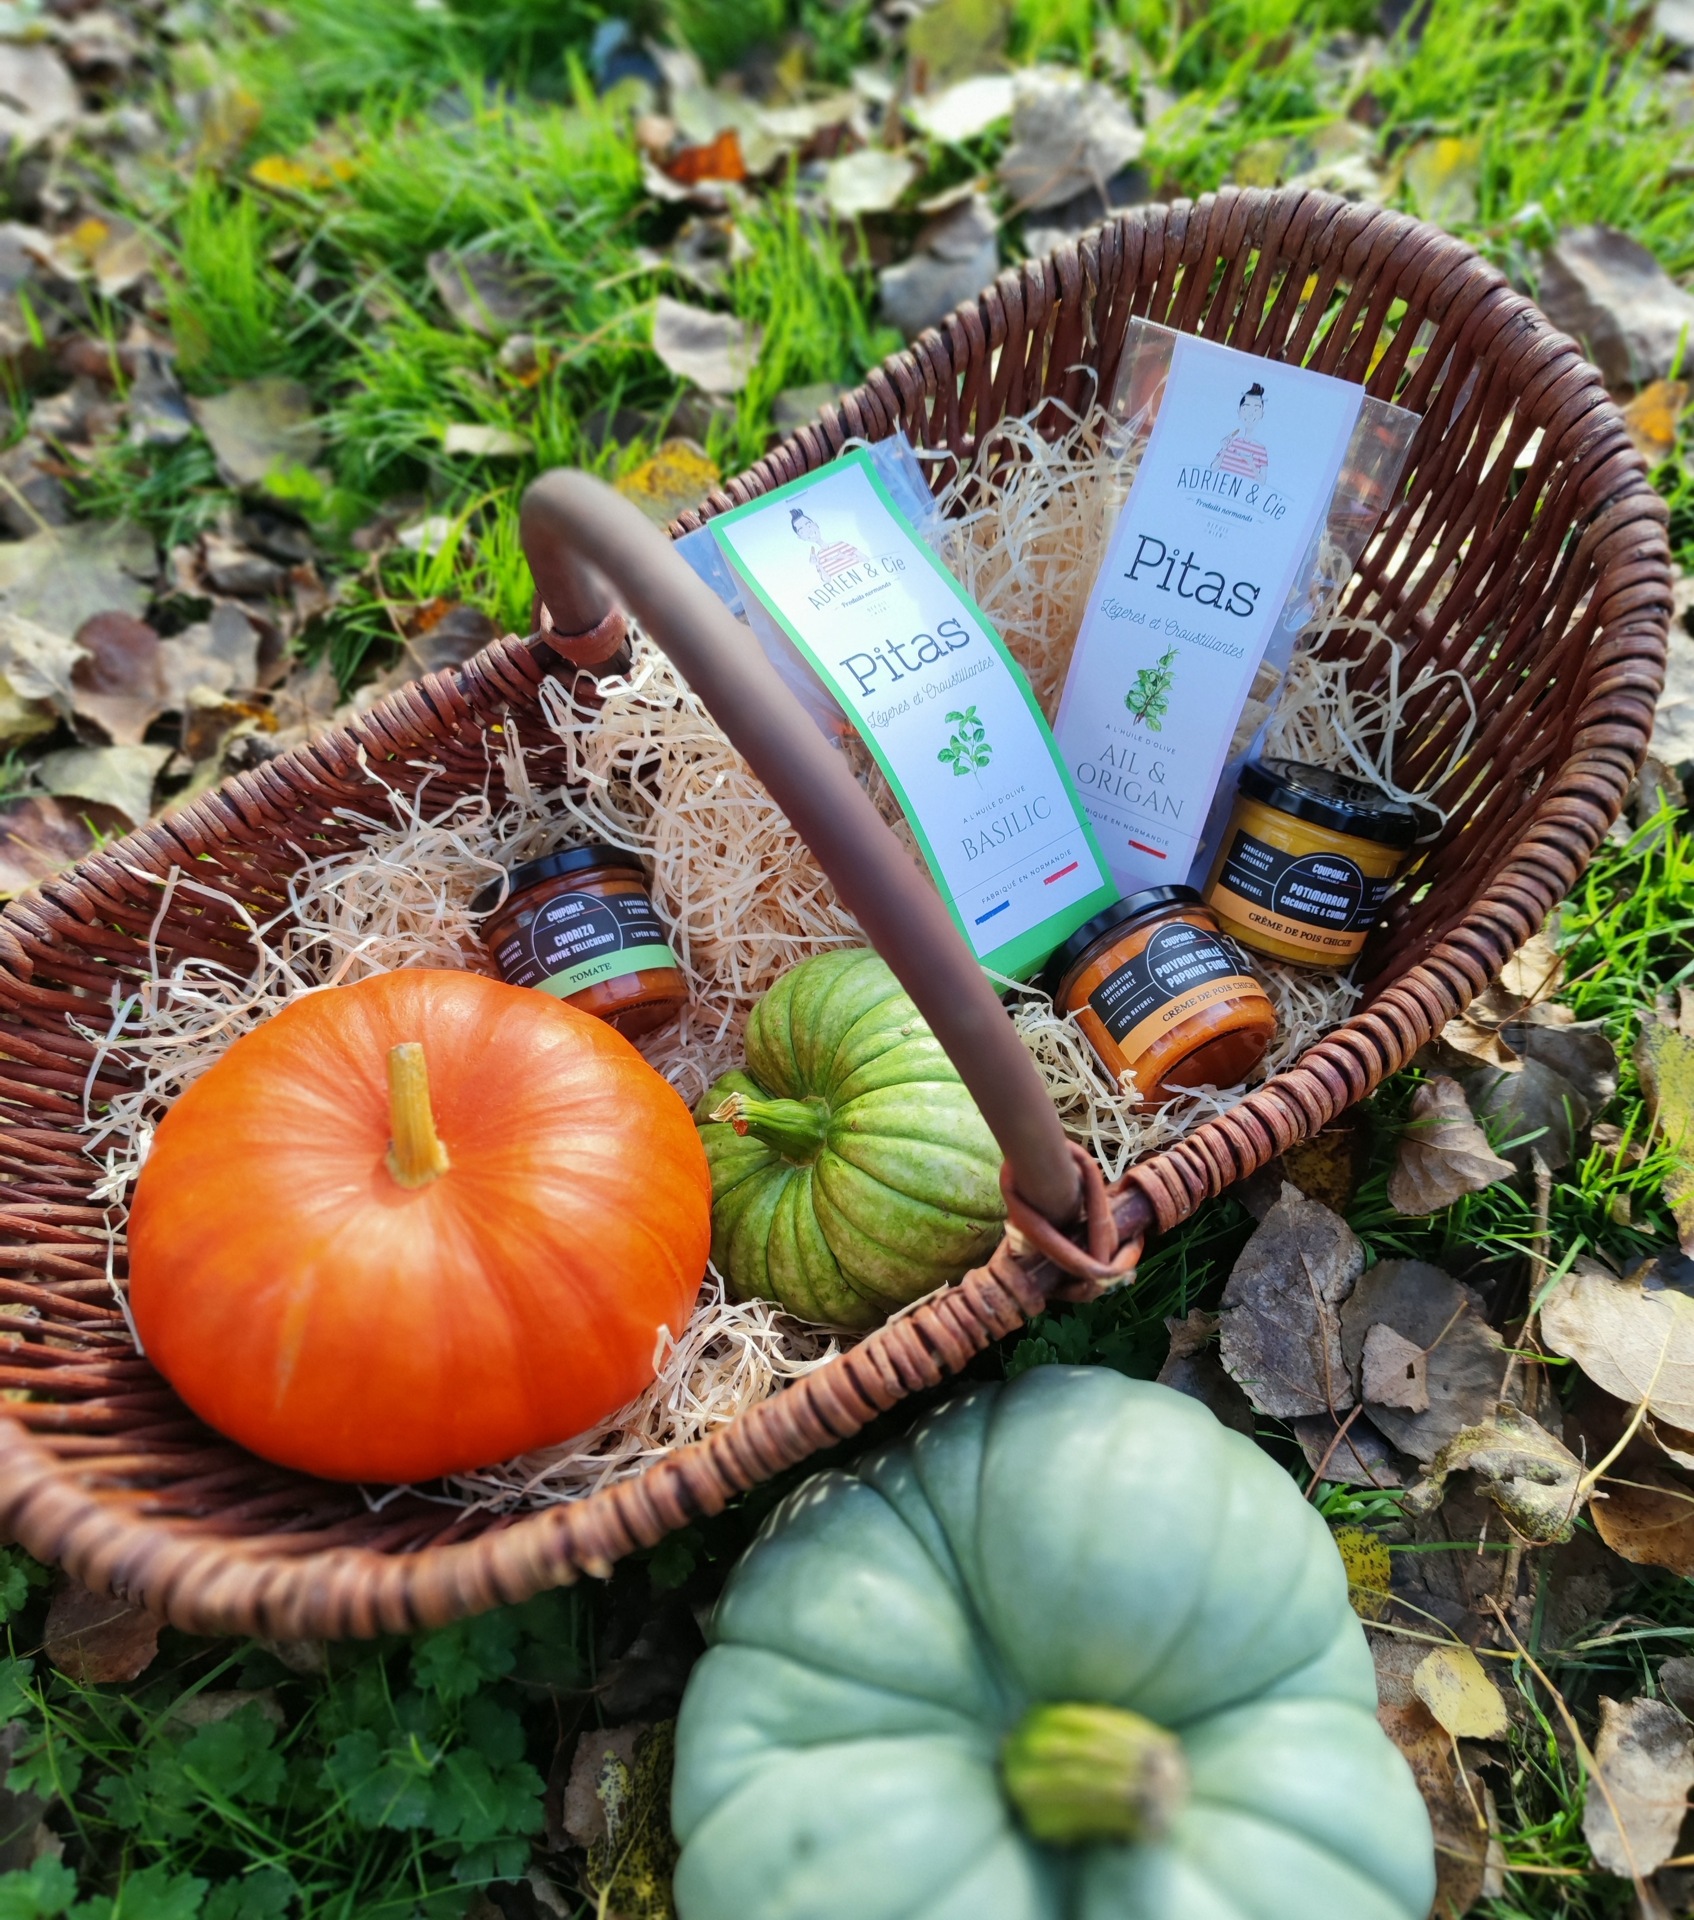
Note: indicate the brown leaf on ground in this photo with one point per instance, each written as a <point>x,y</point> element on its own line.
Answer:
<point>1610,293</point>
<point>616,1808</point>
<point>446,634</point>
<point>1394,1371</point>
<point>485,292</point>
<point>1633,1812</point>
<point>1664,1057</point>
<point>1443,1154</point>
<point>1534,1112</point>
<point>1466,1853</point>
<point>1465,1358</point>
<point>1068,134</point>
<point>63,576</point>
<point>1534,1479</point>
<point>1676,1683</point>
<point>1360,1457</point>
<point>1674,1442</point>
<point>1534,972</point>
<point>39,664</point>
<point>1281,1335</point>
<point>1631,1337</point>
<point>120,684</point>
<point>954,256</point>
<point>1454,1685</point>
<point>96,1639</point>
<point>1579,1050</point>
<point>714,351</point>
<point>40,837</point>
<point>259,428</point>
<point>1194,1367</point>
<point>956,38</point>
<point>121,778</point>
<point>1329,1166</point>
<point>1648,1518</point>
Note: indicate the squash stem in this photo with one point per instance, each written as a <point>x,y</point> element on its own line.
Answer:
<point>794,1128</point>
<point>1080,1773</point>
<point>415,1153</point>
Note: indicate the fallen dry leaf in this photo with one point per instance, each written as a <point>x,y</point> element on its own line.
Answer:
<point>96,1639</point>
<point>1281,1335</point>
<point>1664,1058</point>
<point>1611,294</point>
<point>719,158</point>
<point>38,97</point>
<point>1394,1371</point>
<point>485,443</point>
<point>117,777</point>
<point>259,428</point>
<point>955,256</point>
<point>1534,1112</point>
<point>484,292</point>
<point>40,837</point>
<point>869,181</point>
<point>1534,971</point>
<point>1360,1457</point>
<point>119,684</point>
<point>1648,1518</point>
<point>63,576</point>
<point>715,351</point>
<point>1633,1339</point>
<point>1674,1442</point>
<point>1194,1367</point>
<point>1460,1812</point>
<point>38,663</point>
<point>1442,175</point>
<point>1369,1565</point>
<point>1068,135</point>
<point>1443,1154</point>
<point>1580,1051</point>
<point>1534,1479</point>
<point>220,655</point>
<point>1465,1358</point>
<point>1329,1166</point>
<point>678,475</point>
<point>957,37</point>
<point>1651,418</point>
<point>1644,1754</point>
<point>964,111</point>
<point>1453,1683</point>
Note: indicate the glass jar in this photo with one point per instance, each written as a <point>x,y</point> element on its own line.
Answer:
<point>578,924</point>
<point>1161,995</point>
<point>1307,862</point>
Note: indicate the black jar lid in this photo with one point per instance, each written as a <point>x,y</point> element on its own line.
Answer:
<point>1151,903</point>
<point>1330,799</point>
<point>552,866</point>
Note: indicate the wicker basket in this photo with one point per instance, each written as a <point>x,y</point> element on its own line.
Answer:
<point>1548,586</point>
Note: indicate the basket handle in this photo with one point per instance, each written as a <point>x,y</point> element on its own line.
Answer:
<point>581,538</point>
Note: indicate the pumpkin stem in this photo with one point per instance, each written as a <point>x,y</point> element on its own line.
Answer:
<point>796,1129</point>
<point>1078,1773</point>
<point>415,1153</point>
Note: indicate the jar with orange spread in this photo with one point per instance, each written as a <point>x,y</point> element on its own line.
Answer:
<point>578,924</point>
<point>1307,862</point>
<point>1162,995</point>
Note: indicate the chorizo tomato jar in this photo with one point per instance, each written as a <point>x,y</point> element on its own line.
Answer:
<point>1307,862</point>
<point>578,924</point>
<point>1162,996</point>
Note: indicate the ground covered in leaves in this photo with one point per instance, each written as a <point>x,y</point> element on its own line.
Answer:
<point>292,302</point>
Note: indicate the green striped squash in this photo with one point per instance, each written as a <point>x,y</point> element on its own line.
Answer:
<point>851,1170</point>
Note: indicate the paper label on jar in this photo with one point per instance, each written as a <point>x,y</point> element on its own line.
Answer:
<point>577,939</point>
<point>941,704</point>
<point>1181,971</point>
<point>1230,494</point>
<point>1322,900</point>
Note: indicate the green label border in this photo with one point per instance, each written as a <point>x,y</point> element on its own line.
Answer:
<point>610,966</point>
<point>1017,958</point>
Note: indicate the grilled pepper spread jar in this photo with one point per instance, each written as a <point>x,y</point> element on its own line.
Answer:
<point>578,924</point>
<point>1307,862</point>
<point>1162,995</point>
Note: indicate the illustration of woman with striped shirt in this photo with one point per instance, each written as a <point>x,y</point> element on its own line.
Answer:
<point>1240,452</point>
<point>835,557</point>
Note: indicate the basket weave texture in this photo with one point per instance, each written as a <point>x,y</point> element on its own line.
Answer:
<point>1547,586</point>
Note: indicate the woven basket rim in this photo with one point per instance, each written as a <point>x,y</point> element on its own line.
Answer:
<point>258,1584</point>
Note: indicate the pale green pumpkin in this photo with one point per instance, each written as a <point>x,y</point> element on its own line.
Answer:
<point>1073,1651</point>
<point>851,1170</point>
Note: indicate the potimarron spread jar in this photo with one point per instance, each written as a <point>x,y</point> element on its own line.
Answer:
<point>1162,995</point>
<point>1307,862</point>
<point>578,924</point>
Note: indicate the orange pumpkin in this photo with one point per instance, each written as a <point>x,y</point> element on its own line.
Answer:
<point>417,1224</point>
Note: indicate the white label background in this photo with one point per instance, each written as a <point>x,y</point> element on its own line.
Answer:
<point>1148,789</point>
<point>1042,865</point>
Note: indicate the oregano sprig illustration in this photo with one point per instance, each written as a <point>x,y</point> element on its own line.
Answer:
<point>967,749</point>
<point>1149,699</point>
